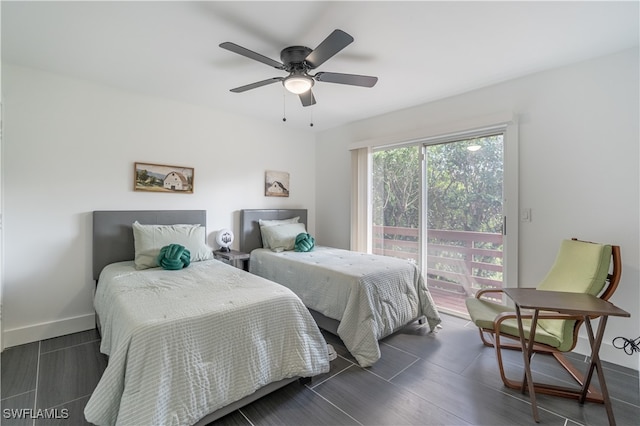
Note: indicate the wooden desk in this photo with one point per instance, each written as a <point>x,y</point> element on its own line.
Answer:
<point>575,306</point>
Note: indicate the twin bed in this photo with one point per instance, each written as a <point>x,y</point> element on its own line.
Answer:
<point>189,346</point>
<point>360,297</point>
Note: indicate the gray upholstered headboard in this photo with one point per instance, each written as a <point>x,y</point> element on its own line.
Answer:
<point>250,237</point>
<point>113,232</point>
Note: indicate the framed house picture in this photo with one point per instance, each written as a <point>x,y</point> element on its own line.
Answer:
<point>276,184</point>
<point>163,178</point>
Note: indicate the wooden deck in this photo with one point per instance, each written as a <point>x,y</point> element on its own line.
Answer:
<point>449,302</point>
<point>459,263</point>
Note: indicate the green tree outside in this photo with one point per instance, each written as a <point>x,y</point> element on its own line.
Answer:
<point>463,190</point>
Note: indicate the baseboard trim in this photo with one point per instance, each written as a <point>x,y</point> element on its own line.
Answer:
<point>608,353</point>
<point>47,330</point>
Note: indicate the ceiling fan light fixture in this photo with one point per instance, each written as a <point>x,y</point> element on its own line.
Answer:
<point>297,61</point>
<point>298,84</point>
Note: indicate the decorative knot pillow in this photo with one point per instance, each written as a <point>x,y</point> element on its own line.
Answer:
<point>304,242</point>
<point>173,257</point>
<point>149,239</point>
<point>281,237</point>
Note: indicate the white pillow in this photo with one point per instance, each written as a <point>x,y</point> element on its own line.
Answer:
<point>274,222</point>
<point>149,239</point>
<point>282,237</point>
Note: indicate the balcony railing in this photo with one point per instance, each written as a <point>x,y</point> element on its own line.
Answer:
<point>459,263</point>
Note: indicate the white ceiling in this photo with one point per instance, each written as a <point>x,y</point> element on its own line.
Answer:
<point>421,51</point>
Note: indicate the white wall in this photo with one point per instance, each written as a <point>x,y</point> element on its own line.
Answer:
<point>69,149</point>
<point>579,169</point>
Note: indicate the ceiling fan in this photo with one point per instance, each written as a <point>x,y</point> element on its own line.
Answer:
<point>298,61</point>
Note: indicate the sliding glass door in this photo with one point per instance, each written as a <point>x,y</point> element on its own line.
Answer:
<point>464,216</point>
<point>440,204</point>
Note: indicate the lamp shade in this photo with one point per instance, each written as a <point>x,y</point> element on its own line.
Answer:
<point>224,239</point>
<point>298,83</point>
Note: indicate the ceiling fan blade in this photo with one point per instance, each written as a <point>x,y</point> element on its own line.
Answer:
<point>251,54</point>
<point>307,98</point>
<point>350,79</point>
<point>335,42</point>
<point>256,84</point>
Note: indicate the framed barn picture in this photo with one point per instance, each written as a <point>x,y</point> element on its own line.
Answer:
<point>276,184</point>
<point>163,178</point>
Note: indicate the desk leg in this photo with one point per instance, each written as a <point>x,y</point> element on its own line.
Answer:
<point>527,351</point>
<point>595,363</point>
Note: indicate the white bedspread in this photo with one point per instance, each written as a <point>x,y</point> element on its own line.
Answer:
<point>185,343</point>
<point>372,296</point>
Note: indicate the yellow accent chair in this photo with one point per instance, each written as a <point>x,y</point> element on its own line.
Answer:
<point>580,267</point>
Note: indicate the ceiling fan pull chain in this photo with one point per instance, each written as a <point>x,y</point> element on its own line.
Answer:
<point>284,106</point>
<point>310,117</point>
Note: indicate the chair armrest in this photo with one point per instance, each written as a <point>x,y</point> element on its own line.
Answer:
<point>488,290</point>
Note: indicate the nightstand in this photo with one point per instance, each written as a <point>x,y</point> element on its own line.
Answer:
<point>234,258</point>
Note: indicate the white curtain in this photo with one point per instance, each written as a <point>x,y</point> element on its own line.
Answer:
<point>360,205</point>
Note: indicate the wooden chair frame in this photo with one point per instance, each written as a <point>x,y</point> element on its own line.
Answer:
<point>492,337</point>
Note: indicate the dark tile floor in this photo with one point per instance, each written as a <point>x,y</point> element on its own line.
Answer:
<point>448,378</point>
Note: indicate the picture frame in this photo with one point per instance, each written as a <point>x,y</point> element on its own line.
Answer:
<point>276,184</point>
<point>163,178</point>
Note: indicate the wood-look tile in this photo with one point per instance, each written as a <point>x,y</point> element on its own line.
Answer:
<point>623,382</point>
<point>68,340</point>
<point>372,400</point>
<point>295,404</point>
<point>19,369</point>
<point>233,419</point>
<point>590,413</point>
<point>548,370</point>
<point>70,413</point>
<point>605,364</point>
<point>336,366</point>
<point>456,382</point>
<point>453,347</point>
<point>540,363</point>
<point>625,414</point>
<point>621,385</point>
<point>392,361</point>
<point>61,377</point>
<point>19,402</point>
<point>484,369</point>
<point>482,405</point>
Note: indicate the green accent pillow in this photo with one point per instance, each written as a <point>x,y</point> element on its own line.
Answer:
<point>173,257</point>
<point>304,242</point>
